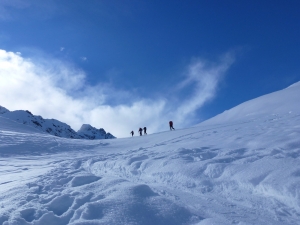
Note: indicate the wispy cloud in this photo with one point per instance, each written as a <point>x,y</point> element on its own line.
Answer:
<point>83,58</point>
<point>12,9</point>
<point>55,89</point>
<point>203,78</point>
<point>7,7</point>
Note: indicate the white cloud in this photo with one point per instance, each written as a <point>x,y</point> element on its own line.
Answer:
<point>54,89</point>
<point>203,78</point>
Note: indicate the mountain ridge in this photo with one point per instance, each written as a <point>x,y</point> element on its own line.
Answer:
<point>53,126</point>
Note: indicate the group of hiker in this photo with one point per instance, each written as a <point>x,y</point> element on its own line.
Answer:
<point>140,131</point>
<point>145,129</point>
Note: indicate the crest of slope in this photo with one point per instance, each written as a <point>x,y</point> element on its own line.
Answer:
<point>279,102</point>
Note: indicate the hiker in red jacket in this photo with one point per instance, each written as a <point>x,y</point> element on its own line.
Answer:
<point>171,125</point>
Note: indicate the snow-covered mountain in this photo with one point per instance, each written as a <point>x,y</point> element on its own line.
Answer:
<point>89,132</point>
<point>241,167</point>
<point>3,110</point>
<point>52,126</point>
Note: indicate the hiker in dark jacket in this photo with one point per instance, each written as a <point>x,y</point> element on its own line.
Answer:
<point>171,125</point>
<point>141,130</point>
<point>145,130</point>
<point>132,133</point>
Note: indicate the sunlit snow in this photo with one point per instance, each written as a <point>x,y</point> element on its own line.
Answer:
<point>241,167</point>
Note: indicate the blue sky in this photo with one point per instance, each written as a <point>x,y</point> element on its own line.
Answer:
<point>125,64</point>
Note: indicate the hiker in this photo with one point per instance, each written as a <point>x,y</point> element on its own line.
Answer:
<point>141,130</point>
<point>132,133</point>
<point>171,125</point>
<point>145,130</point>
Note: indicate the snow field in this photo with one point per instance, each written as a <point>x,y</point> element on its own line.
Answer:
<point>241,171</point>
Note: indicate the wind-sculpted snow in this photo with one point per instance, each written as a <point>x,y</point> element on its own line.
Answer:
<point>241,172</point>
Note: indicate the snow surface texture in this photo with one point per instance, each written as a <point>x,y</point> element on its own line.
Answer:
<point>242,170</point>
<point>55,127</point>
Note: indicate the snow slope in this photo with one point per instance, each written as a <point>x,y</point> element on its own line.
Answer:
<point>280,102</point>
<point>242,170</point>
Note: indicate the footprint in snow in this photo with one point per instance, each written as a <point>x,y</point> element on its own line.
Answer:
<point>60,204</point>
<point>135,159</point>
<point>28,214</point>
<point>83,180</point>
<point>77,164</point>
<point>196,154</point>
